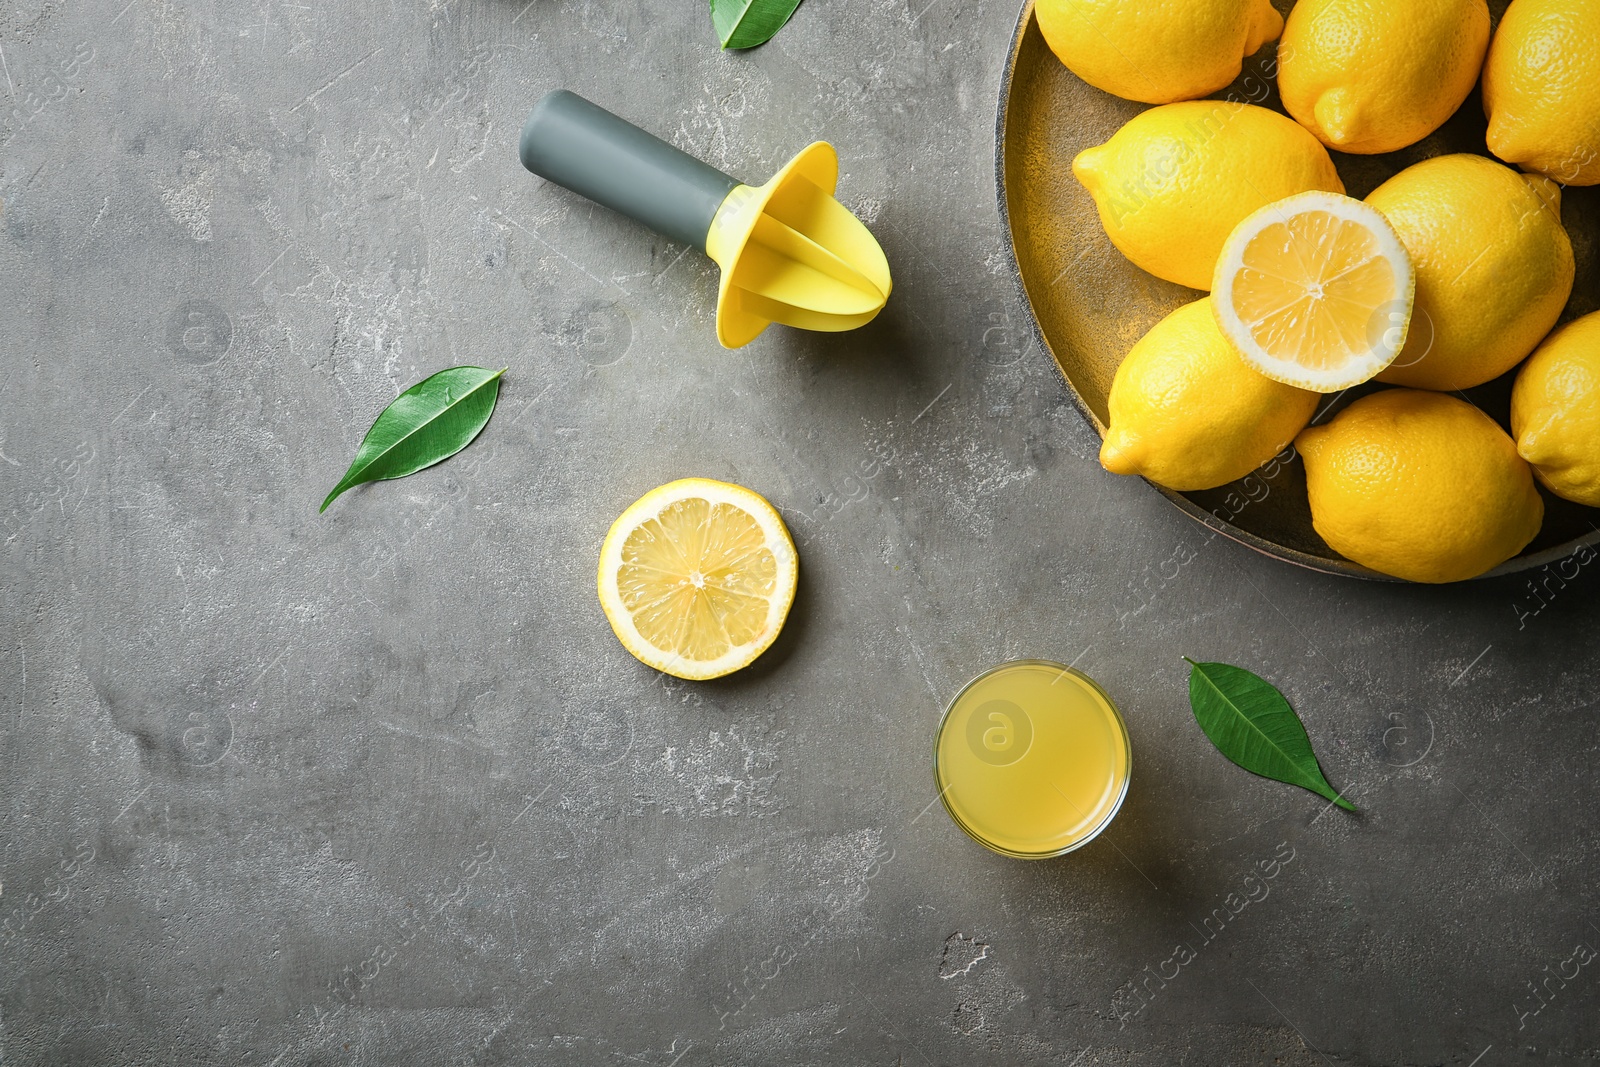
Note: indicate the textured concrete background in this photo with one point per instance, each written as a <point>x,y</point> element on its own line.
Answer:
<point>380,786</point>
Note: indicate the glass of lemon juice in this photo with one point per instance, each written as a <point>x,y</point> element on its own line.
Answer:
<point>1032,759</point>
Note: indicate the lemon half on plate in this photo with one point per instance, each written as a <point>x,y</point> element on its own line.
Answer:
<point>697,577</point>
<point>1315,291</point>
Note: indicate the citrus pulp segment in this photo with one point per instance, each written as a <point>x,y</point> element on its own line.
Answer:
<point>697,577</point>
<point>1315,291</point>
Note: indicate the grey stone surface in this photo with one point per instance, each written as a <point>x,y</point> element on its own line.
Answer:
<point>380,787</point>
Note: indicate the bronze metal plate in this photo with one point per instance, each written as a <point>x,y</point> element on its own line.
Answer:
<point>1090,304</point>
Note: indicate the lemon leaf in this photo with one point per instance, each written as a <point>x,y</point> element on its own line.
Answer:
<point>747,23</point>
<point>426,424</point>
<point>1253,725</point>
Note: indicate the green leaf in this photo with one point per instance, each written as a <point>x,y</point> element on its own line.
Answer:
<point>1250,723</point>
<point>747,23</point>
<point>426,424</point>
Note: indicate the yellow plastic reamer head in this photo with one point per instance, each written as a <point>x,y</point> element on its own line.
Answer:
<point>791,253</point>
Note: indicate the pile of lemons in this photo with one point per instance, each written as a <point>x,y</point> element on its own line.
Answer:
<point>1446,276</point>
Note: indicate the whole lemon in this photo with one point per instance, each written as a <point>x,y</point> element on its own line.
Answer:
<point>1494,267</point>
<point>1174,181</point>
<point>1555,411</point>
<point>1371,76</point>
<point>1541,89</point>
<point>1157,53</point>
<point>1187,412</point>
<point>1419,485</point>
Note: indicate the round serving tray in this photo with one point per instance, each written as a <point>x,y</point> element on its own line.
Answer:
<point>1090,304</point>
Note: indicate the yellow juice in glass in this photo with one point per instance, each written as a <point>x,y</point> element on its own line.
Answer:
<point>1032,759</point>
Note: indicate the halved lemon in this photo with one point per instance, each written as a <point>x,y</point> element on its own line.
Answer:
<point>697,577</point>
<point>1315,290</point>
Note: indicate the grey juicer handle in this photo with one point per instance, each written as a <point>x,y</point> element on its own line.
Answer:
<point>587,149</point>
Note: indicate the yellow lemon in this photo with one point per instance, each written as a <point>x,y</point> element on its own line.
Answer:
<point>697,576</point>
<point>1419,485</point>
<point>1541,89</point>
<point>1315,290</point>
<point>1555,411</point>
<point>1188,413</point>
<point>1157,53</point>
<point>1175,180</point>
<point>1371,76</point>
<point>1494,267</point>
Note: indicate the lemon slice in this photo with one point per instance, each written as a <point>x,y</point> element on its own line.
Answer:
<point>1315,291</point>
<point>697,576</point>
